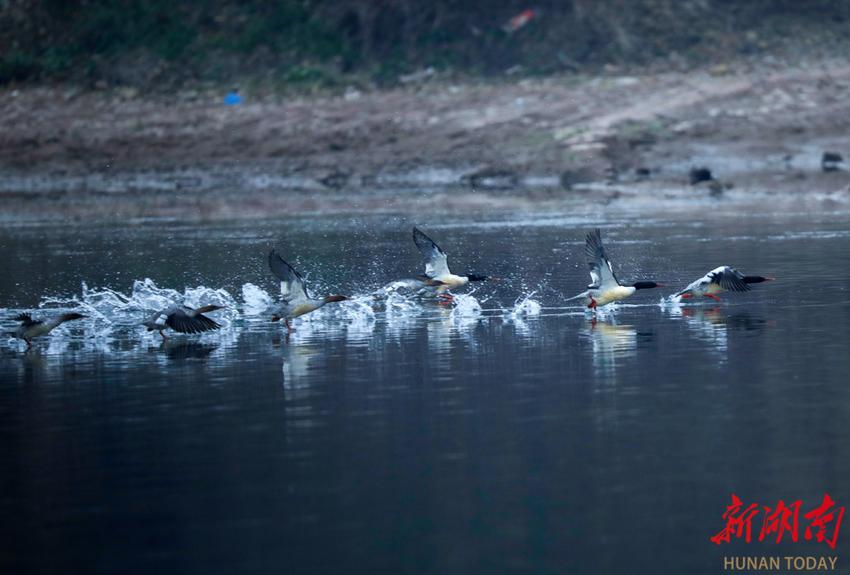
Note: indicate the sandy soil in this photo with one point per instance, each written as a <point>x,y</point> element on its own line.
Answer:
<point>530,144</point>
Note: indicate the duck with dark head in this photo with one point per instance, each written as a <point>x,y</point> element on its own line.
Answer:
<point>296,300</point>
<point>182,319</point>
<point>31,328</point>
<point>437,267</point>
<point>605,288</point>
<point>718,280</point>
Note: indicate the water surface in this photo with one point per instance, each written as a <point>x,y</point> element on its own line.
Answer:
<point>510,432</point>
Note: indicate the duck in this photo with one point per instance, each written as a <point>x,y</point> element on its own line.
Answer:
<point>296,299</point>
<point>605,288</point>
<point>437,274</point>
<point>183,319</point>
<point>720,279</point>
<point>411,286</point>
<point>31,328</point>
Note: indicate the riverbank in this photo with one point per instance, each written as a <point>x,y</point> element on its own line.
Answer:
<point>760,129</point>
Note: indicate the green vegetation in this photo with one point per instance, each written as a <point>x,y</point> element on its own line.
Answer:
<point>322,42</point>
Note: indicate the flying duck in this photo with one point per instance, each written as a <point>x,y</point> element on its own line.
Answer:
<point>718,280</point>
<point>31,328</point>
<point>437,272</point>
<point>182,319</point>
<point>296,300</point>
<point>605,288</point>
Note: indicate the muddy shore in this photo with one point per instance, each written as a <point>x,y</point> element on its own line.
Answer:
<point>532,144</point>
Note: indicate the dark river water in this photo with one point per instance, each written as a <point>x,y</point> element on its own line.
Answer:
<point>510,432</point>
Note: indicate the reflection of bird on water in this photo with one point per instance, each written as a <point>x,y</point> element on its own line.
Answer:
<point>605,288</point>
<point>439,331</point>
<point>183,350</point>
<point>747,322</point>
<point>715,316</point>
<point>712,326</point>
<point>619,340</point>
<point>31,328</point>
<point>718,280</point>
<point>707,325</point>
<point>450,324</point>
<point>610,343</point>
<point>299,385</point>
<point>296,365</point>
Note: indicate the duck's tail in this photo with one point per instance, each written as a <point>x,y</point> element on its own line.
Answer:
<point>579,296</point>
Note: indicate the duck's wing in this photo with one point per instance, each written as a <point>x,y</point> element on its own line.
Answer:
<point>436,261</point>
<point>728,278</point>
<point>187,320</point>
<point>601,272</point>
<point>293,288</point>
<point>27,320</point>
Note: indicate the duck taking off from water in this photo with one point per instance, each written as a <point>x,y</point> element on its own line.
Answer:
<point>437,272</point>
<point>182,319</point>
<point>296,299</point>
<point>718,280</point>
<point>414,286</point>
<point>605,288</point>
<point>31,328</point>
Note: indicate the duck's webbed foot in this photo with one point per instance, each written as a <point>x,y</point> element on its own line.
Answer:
<point>445,298</point>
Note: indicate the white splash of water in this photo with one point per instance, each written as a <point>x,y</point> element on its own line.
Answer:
<point>670,303</point>
<point>603,312</point>
<point>466,310</point>
<point>360,317</point>
<point>255,299</point>
<point>526,307</point>
<point>397,304</point>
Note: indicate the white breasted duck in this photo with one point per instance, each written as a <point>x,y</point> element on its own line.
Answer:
<point>31,328</point>
<point>718,280</point>
<point>182,319</point>
<point>296,301</point>
<point>605,288</point>
<point>437,273</point>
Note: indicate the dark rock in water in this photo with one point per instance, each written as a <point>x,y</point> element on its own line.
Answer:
<point>491,179</point>
<point>643,173</point>
<point>698,175</point>
<point>570,178</point>
<point>335,180</point>
<point>831,161</point>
